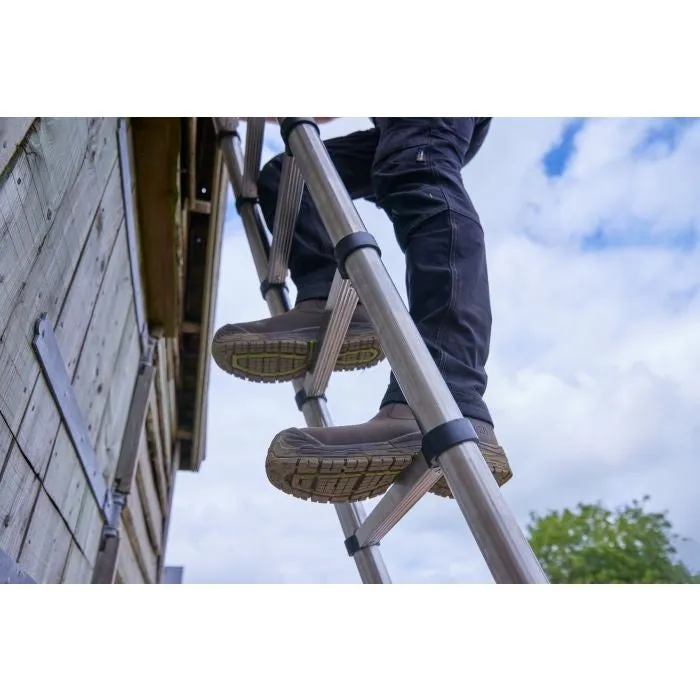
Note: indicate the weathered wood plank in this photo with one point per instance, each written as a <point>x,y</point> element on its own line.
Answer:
<point>78,568</point>
<point>128,570</point>
<point>65,480</point>
<point>135,525</point>
<point>152,510</point>
<point>173,349</point>
<point>110,433</point>
<point>88,528</point>
<point>19,487</point>
<point>45,549</point>
<point>5,443</point>
<point>93,377</point>
<point>12,133</point>
<point>95,370</point>
<point>58,145</point>
<point>155,450</point>
<point>116,411</point>
<point>156,148</point>
<point>78,310</point>
<point>46,282</point>
<point>165,408</point>
<point>37,432</point>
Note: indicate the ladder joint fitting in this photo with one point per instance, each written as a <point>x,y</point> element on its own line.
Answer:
<point>266,286</point>
<point>442,437</point>
<point>352,544</point>
<point>301,397</point>
<point>351,243</point>
<point>288,124</point>
<point>225,134</point>
<point>241,200</point>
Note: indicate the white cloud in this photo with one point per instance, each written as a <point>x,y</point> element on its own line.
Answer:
<point>608,186</point>
<point>595,367</point>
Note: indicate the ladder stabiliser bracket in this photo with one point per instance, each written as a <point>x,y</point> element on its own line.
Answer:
<point>288,124</point>
<point>442,437</point>
<point>347,245</point>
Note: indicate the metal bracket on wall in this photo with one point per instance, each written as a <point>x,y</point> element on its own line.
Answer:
<point>59,381</point>
<point>108,553</point>
<point>11,571</point>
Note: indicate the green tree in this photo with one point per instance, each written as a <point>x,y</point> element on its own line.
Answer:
<point>592,544</point>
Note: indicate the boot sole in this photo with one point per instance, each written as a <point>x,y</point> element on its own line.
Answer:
<point>266,360</point>
<point>300,466</point>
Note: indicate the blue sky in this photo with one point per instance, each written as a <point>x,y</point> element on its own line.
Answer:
<point>592,237</point>
<point>556,159</point>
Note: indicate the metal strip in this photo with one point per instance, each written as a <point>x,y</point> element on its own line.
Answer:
<point>108,553</point>
<point>11,571</point>
<point>126,465</point>
<point>413,483</point>
<point>56,374</point>
<point>107,558</point>
<point>130,215</point>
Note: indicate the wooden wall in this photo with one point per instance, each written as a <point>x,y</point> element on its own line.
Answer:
<point>64,251</point>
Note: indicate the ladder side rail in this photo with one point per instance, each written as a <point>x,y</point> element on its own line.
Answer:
<point>448,437</point>
<point>368,560</point>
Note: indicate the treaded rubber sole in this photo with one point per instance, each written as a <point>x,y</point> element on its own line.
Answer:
<point>273,361</point>
<point>301,467</point>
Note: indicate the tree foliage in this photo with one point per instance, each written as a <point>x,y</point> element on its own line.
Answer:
<point>592,544</point>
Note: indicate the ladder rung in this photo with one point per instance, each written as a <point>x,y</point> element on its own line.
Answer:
<point>413,483</point>
<point>342,302</point>
<point>288,205</point>
<point>255,130</point>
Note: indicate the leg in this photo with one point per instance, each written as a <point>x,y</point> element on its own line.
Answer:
<point>311,262</point>
<point>417,180</point>
<point>280,348</point>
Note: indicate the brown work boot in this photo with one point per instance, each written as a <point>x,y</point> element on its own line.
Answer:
<point>355,462</point>
<point>279,348</point>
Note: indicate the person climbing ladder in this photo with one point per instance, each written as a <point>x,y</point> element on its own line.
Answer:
<point>411,168</point>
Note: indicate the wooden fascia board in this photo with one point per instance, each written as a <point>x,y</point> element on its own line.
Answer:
<point>156,152</point>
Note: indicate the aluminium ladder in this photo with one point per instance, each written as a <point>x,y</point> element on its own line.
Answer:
<point>449,441</point>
